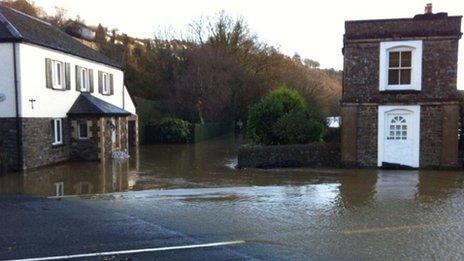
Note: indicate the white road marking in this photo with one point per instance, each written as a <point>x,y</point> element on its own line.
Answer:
<point>134,251</point>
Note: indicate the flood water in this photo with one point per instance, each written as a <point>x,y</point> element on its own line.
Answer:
<point>212,164</point>
<point>287,213</point>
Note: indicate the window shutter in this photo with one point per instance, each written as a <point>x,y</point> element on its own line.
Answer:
<point>100,84</point>
<point>111,85</point>
<point>78,78</point>
<point>53,130</point>
<point>91,80</point>
<point>48,73</point>
<point>67,76</point>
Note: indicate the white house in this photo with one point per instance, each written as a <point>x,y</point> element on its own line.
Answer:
<point>59,99</point>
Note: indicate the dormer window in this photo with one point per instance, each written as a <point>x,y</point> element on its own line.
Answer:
<point>400,66</point>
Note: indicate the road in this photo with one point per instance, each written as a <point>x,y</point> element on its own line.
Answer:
<point>317,221</point>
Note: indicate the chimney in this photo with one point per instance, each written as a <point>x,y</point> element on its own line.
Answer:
<point>428,9</point>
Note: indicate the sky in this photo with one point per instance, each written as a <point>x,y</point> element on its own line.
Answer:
<point>313,29</point>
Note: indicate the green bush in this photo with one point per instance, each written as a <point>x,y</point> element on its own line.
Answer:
<point>282,117</point>
<point>169,130</point>
<point>297,127</point>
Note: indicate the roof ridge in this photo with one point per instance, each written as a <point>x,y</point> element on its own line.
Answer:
<point>10,27</point>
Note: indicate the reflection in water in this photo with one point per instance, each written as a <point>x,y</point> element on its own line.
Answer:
<point>72,178</point>
<point>208,164</point>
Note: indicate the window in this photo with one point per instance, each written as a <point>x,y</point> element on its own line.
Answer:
<point>82,131</point>
<point>59,189</point>
<point>399,68</point>
<point>85,82</point>
<point>400,65</point>
<point>105,83</point>
<point>58,75</point>
<point>57,129</point>
<point>398,129</point>
<point>84,79</point>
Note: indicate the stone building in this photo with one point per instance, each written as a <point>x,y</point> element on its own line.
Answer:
<point>59,99</point>
<point>400,103</point>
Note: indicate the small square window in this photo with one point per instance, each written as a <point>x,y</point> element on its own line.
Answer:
<point>399,72</point>
<point>82,131</point>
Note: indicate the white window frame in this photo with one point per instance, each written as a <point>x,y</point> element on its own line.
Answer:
<point>59,189</point>
<point>84,76</point>
<point>57,139</point>
<point>79,134</point>
<point>415,47</point>
<point>106,83</point>
<point>58,75</point>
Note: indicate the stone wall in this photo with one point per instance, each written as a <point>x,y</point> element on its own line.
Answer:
<point>367,136</point>
<point>133,134</point>
<point>37,143</point>
<point>299,155</point>
<point>434,130</point>
<point>85,149</point>
<point>8,142</point>
<point>121,141</point>
<point>37,138</point>
<point>439,98</point>
<point>439,74</point>
<point>431,136</point>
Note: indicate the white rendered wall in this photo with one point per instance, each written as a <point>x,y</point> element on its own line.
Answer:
<point>7,88</point>
<point>56,103</point>
<point>128,102</point>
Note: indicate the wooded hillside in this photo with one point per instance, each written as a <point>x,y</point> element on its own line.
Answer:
<point>214,72</point>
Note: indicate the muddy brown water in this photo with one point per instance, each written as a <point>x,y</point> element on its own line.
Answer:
<point>211,164</point>
<point>289,213</point>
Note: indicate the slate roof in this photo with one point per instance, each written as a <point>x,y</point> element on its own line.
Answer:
<point>16,26</point>
<point>89,105</point>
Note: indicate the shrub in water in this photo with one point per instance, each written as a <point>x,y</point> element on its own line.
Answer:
<point>282,118</point>
<point>297,127</point>
<point>169,130</point>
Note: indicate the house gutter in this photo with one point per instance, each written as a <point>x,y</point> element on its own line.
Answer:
<point>18,116</point>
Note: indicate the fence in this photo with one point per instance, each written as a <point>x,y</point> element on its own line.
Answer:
<point>211,130</point>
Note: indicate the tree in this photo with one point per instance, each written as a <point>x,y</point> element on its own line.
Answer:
<point>311,63</point>
<point>24,6</point>
<point>59,18</point>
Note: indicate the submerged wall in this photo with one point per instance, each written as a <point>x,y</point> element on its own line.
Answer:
<point>299,155</point>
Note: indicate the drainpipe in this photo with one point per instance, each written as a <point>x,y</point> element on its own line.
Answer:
<point>123,94</point>
<point>18,118</point>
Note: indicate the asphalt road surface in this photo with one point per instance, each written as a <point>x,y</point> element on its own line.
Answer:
<point>400,218</point>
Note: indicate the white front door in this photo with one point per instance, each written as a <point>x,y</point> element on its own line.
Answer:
<point>399,135</point>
